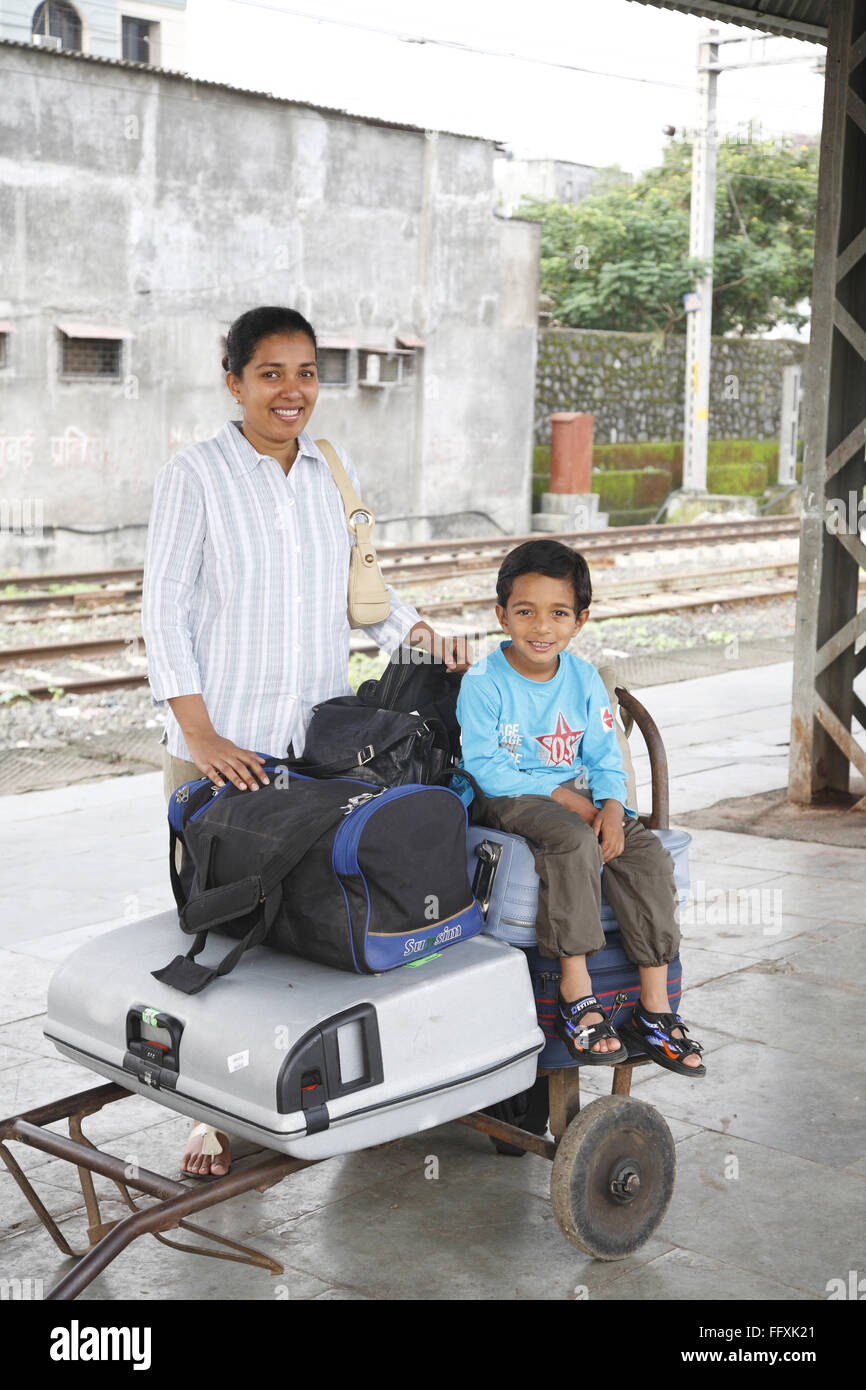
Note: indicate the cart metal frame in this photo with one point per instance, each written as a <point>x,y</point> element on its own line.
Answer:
<point>177,1201</point>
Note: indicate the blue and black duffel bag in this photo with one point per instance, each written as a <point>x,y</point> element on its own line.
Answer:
<point>349,875</point>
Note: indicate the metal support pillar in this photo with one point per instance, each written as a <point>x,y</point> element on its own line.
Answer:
<point>701,242</point>
<point>832,552</point>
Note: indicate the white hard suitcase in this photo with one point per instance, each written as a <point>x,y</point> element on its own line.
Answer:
<point>302,1058</point>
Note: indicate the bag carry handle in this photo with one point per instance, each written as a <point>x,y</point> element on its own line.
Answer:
<point>370,751</point>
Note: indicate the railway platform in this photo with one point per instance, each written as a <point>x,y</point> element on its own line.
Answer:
<point>774,944</point>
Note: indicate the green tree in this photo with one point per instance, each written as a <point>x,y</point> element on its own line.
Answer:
<point>619,260</point>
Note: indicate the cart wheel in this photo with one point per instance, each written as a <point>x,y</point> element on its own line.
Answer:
<point>528,1110</point>
<point>613,1176</point>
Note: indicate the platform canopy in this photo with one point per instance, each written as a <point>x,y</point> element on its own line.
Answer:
<point>798,19</point>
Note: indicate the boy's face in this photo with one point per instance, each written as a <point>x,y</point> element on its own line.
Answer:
<point>541,618</point>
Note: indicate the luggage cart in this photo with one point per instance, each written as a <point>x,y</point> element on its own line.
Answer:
<point>613,1164</point>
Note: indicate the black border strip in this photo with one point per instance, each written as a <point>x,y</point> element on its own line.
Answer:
<point>153,1091</point>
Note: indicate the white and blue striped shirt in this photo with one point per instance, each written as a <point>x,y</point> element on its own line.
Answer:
<point>244,599</point>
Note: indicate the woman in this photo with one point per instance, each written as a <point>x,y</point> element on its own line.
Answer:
<point>245,584</point>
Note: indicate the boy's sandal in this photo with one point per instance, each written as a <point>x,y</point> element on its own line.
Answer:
<point>580,1039</point>
<point>655,1037</point>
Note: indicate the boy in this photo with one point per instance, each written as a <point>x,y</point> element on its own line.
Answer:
<point>534,717</point>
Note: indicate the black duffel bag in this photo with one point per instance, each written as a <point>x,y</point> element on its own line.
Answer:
<point>398,729</point>
<point>346,737</point>
<point>357,877</point>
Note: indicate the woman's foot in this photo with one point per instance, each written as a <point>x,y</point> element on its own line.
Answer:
<point>207,1153</point>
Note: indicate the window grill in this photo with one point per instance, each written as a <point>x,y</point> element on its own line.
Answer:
<point>91,356</point>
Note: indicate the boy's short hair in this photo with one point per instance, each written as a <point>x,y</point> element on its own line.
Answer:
<point>552,558</point>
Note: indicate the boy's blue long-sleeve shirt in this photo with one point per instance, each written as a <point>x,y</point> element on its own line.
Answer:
<point>522,736</point>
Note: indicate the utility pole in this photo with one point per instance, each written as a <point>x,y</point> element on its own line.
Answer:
<point>699,305</point>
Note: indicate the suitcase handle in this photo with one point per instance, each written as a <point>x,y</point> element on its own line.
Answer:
<point>489,853</point>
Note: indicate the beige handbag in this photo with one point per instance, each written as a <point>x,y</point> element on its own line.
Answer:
<point>368,599</point>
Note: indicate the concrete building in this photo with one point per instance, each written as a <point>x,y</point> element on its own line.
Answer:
<point>150,33</point>
<point>547,180</point>
<point>141,211</point>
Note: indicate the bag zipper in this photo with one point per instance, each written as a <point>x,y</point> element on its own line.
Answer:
<point>218,791</point>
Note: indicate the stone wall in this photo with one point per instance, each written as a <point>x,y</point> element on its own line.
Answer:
<point>633,384</point>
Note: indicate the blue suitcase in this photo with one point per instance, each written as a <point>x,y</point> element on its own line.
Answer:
<point>505,883</point>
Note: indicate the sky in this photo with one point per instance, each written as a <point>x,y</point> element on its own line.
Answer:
<point>593,81</point>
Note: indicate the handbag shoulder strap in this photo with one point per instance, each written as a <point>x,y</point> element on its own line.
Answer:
<point>351,501</point>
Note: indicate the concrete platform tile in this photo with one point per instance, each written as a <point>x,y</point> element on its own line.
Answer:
<point>479,1241</point>
<point>59,945</point>
<point>699,790</point>
<point>13,1056</point>
<point>17,1215</point>
<point>141,794</point>
<point>683,1276</point>
<point>839,899</point>
<point>767,1096</point>
<point>25,984</point>
<point>842,960</point>
<point>727,874</point>
<point>27,1033</point>
<point>149,1271</point>
<point>801,857</point>
<point>700,966</point>
<point>771,1004</point>
<point>784,1218</point>
<point>814,933</point>
<point>33,911</point>
<point>723,846</point>
<point>40,1080</point>
<point>322,1188</point>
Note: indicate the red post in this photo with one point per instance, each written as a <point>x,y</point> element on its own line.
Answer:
<point>571,452</point>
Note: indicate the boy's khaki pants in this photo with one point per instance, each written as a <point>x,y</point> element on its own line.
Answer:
<point>638,884</point>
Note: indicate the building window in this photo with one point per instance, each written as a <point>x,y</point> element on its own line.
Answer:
<point>333,366</point>
<point>138,40</point>
<point>3,357</point>
<point>91,356</point>
<point>58,21</point>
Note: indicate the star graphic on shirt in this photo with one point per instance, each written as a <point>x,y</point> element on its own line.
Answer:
<point>559,745</point>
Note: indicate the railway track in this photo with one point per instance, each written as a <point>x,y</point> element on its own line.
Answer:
<point>20,664</point>
<point>26,670</point>
<point>423,561</point>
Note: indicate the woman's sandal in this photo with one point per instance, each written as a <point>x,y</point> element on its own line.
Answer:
<point>580,1039</point>
<point>653,1034</point>
<point>210,1144</point>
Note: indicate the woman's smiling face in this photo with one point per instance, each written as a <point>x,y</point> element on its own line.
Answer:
<point>278,389</point>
